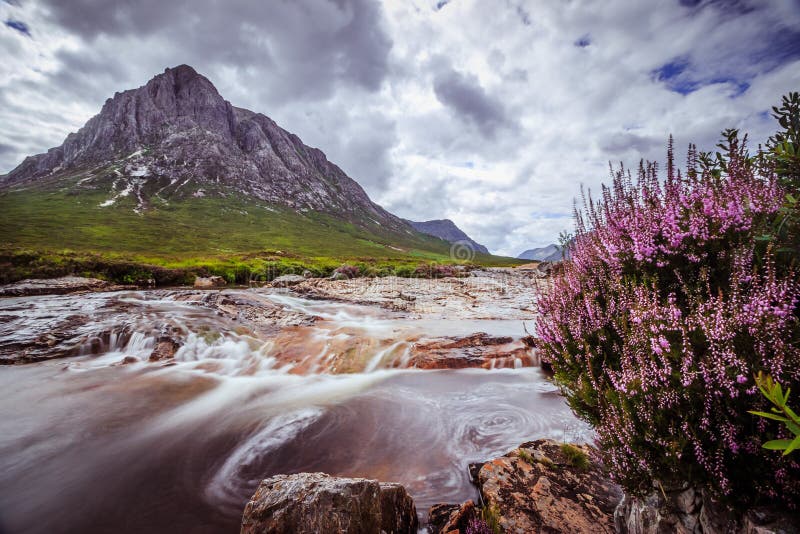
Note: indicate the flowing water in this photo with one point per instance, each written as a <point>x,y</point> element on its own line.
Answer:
<point>90,445</point>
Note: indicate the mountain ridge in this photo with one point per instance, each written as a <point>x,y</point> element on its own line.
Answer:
<point>447,230</point>
<point>551,252</point>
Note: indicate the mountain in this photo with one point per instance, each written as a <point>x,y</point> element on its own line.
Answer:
<point>447,230</point>
<point>548,253</point>
<point>171,174</point>
<point>176,136</point>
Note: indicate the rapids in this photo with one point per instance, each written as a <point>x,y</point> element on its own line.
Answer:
<point>90,445</point>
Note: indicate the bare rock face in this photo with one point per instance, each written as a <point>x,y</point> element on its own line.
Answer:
<point>310,503</point>
<point>539,488</point>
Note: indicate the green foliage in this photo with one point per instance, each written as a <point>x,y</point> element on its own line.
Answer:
<point>784,146</point>
<point>575,456</point>
<point>780,411</point>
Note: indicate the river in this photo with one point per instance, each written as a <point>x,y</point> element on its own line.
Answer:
<point>88,444</point>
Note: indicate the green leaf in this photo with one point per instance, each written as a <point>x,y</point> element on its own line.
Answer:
<point>770,416</point>
<point>777,444</point>
<point>792,446</point>
<point>793,427</point>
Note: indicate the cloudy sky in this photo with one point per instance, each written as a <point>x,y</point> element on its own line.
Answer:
<point>490,113</point>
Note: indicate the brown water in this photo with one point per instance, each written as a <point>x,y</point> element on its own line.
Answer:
<point>88,445</point>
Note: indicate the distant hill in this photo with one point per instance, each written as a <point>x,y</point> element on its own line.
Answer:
<point>447,230</point>
<point>548,253</point>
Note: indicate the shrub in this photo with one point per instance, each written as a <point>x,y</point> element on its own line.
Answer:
<point>666,311</point>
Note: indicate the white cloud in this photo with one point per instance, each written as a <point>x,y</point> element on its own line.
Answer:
<point>490,114</point>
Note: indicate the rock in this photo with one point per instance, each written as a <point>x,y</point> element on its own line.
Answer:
<point>476,350</point>
<point>201,282</point>
<point>398,513</point>
<point>450,518</point>
<point>307,503</point>
<point>288,280</point>
<point>308,274</point>
<point>54,286</point>
<point>339,276</point>
<point>129,359</point>
<point>167,344</point>
<point>536,489</point>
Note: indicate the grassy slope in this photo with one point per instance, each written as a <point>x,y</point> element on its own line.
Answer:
<point>50,230</point>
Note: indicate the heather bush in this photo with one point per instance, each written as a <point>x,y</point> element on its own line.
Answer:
<point>668,308</point>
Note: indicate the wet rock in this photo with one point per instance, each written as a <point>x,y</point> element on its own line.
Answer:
<point>209,282</point>
<point>57,286</point>
<point>129,360</point>
<point>307,503</point>
<point>167,344</point>
<point>288,280</point>
<point>536,488</point>
<point>450,518</point>
<point>476,350</point>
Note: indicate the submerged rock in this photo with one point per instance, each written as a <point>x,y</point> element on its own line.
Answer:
<point>307,503</point>
<point>209,282</point>
<point>541,487</point>
<point>450,518</point>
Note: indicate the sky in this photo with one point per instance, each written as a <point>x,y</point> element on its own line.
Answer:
<point>489,113</point>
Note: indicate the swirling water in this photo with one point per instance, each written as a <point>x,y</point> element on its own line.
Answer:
<point>89,445</point>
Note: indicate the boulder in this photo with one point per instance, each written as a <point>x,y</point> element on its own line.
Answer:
<point>307,503</point>
<point>209,282</point>
<point>540,488</point>
<point>288,280</point>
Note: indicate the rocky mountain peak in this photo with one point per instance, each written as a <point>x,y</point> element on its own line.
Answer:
<point>177,136</point>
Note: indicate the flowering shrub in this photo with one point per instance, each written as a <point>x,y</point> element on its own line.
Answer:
<point>657,326</point>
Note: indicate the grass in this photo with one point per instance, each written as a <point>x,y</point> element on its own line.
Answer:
<point>575,456</point>
<point>50,230</point>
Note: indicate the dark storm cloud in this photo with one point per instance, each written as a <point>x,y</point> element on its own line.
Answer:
<point>465,96</point>
<point>290,49</point>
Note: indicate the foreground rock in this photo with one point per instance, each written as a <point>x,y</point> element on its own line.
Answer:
<point>543,486</point>
<point>58,286</point>
<point>307,503</point>
<point>690,510</point>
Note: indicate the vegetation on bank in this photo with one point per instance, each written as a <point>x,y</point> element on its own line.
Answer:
<point>61,228</point>
<point>680,292</point>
